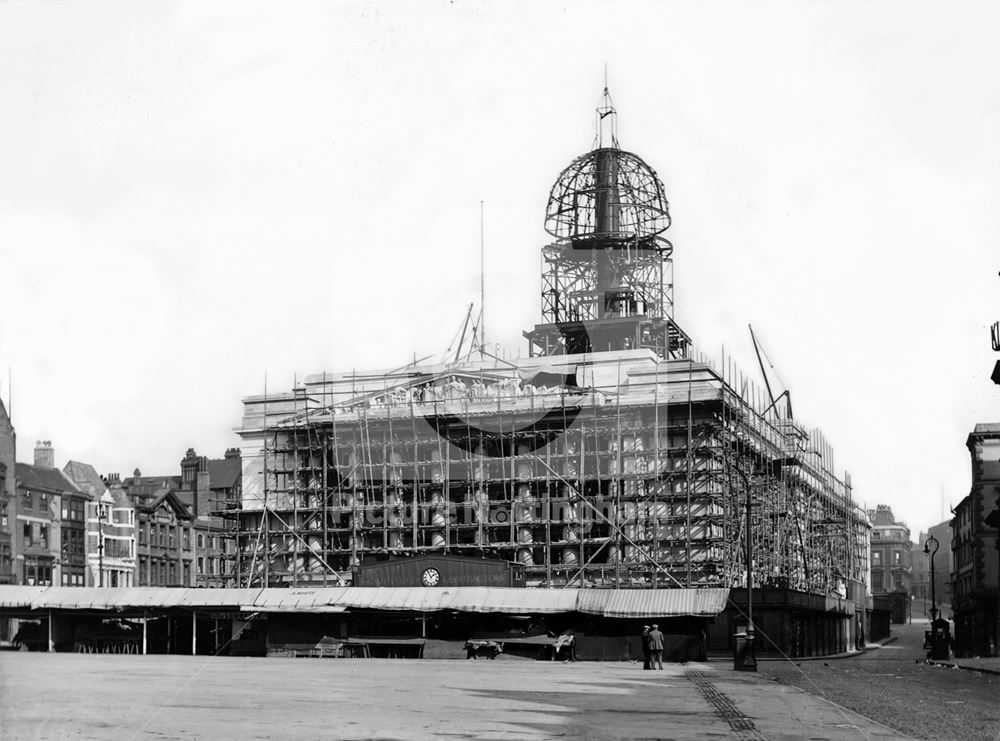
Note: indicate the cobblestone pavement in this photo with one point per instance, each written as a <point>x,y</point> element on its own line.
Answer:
<point>183,697</point>
<point>894,686</point>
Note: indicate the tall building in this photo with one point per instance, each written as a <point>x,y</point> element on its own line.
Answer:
<point>164,533</point>
<point>976,547</point>
<point>51,548</point>
<point>615,455</point>
<point>110,529</point>
<point>209,485</point>
<point>8,444</point>
<point>182,540</point>
<point>891,570</point>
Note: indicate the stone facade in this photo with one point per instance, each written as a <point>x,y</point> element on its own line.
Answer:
<point>974,543</point>
<point>891,567</point>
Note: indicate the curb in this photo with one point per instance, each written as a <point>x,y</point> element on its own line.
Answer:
<point>847,655</point>
<point>967,667</point>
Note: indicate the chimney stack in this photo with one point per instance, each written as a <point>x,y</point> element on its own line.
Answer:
<point>45,456</point>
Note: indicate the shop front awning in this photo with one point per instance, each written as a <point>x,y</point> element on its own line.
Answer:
<point>611,603</point>
<point>17,597</point>
<point>652,603</point>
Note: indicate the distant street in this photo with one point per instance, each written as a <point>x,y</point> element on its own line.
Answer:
<point>893,686</point>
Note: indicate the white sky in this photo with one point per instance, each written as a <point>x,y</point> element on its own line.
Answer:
<point>193,194</point>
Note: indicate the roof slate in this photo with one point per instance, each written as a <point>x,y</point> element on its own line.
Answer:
<point>86,478</point>
<point>223,473</point>
<point>37,477</point>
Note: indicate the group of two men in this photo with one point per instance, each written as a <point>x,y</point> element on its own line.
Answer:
<point>652,647</point>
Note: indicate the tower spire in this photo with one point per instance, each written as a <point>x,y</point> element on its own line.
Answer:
<point>606,120</point>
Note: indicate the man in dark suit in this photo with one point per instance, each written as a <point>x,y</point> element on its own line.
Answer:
<point>645,648</point>
<point>656,647</point>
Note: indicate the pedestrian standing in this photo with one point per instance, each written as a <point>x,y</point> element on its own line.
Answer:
<point>645,648</point>
<point>656,647</point>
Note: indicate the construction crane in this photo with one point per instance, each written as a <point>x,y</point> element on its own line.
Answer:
<point>786,394</point>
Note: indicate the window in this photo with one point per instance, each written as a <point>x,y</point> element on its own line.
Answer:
<point>896,558</point>
<point>187,538</point>
<point>201,564</point>
<point>876,535</point>
<point>142,534</point>
<point>170,537</point>
<point>877,582</point>
<point>43,501</point>
<point>187,573</point>
<point>173,573</point>
<point>876,558</point>
<point>201,541</point>
<point>162,537</point>
<point>43,536</point>
<point>26,534</point>
<point>26,499</point>
<point>215,542</point>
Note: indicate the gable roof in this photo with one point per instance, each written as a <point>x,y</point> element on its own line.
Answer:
<point>86,478</point>
<point>142,488</point>
<point>37,477</point>
<point>223,473</point>
<point>165,496</point>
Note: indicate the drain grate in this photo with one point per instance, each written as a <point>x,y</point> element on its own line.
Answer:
<point>724,707</point>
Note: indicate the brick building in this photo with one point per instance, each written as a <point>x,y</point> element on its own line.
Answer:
<point>180,537</point>
<point>164,537</point>
<point>110,526</point>
<point>50,549</point>
<point>891,571</point>
<point>8,444</point>
<point>207,487</point>
<point>975,546</point>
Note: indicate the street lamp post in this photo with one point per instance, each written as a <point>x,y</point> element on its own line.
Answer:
<point>100,545</point>
<point>930,548</point>
<point>750,661</point>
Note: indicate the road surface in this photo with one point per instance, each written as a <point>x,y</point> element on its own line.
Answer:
<point>893,685</point>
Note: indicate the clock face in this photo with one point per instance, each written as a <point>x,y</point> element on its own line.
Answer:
<point>430,577</point>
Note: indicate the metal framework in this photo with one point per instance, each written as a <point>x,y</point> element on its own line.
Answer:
<point>640,488</point>
<point>633,469</point>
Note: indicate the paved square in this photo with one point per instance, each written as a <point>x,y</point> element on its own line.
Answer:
<point>181,697</point>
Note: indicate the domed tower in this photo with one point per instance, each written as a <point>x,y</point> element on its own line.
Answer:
<point>607,279</point>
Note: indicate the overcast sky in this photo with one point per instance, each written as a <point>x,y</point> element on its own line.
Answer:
<point>193,195</point>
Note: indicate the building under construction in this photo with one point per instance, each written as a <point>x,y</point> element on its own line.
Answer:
<point>616,455</point>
